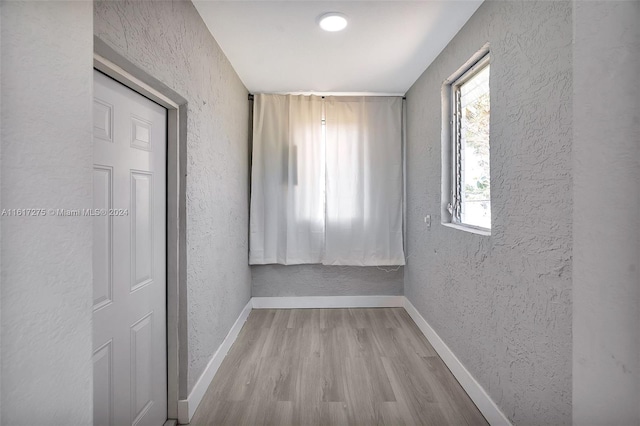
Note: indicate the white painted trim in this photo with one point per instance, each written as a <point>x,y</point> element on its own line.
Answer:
<point>183,412</point>
<point>467,228</point>
<point>320,302</point>
<point>478,395</point>
<point>112,70</point>
<point>186,408</point>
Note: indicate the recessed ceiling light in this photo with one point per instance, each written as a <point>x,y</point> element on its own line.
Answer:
<point>333,21</point>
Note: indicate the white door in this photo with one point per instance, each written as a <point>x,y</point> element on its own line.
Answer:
<point>129,277</point>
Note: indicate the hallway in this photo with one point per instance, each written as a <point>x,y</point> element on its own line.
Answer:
<point>524,313</point>
<point>334,366</point>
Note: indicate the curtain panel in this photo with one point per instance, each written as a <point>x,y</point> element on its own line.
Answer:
<point>363,181</point>
<point>327,194</point>
<point>287,180</point>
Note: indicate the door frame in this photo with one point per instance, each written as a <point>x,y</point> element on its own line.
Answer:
<point>111,63</point>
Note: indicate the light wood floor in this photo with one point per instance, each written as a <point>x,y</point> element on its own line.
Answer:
<point>334,367</point>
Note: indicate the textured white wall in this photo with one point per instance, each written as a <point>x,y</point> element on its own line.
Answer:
<point>46,84</point>
<point>320,280</point>
<point>169,41</point>
<point>503,303</point>
<point>606,213</point>
<point>0,224</point>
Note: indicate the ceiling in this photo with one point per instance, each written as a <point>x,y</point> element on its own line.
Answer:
<point>277,46</point>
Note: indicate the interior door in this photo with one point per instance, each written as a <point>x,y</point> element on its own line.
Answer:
<point>129,257</point>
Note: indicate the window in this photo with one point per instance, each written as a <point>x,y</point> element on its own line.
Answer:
<point>470,202</point>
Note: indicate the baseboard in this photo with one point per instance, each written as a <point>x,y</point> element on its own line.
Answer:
<point>323,302</point>
<point>186,408</point>
<point>478,395</point>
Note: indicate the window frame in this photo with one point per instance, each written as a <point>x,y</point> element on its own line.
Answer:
<point>452,140</point>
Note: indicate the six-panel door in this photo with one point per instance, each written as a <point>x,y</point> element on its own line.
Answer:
<point>129,257</point>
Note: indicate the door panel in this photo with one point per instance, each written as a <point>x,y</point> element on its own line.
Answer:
<point>102,231</point>
<point>129,257</point>
<point>141,362</point>
<point>103,388</point>
<point>141,229</point>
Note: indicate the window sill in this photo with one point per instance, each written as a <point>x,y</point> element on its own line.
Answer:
<point>486,233</point>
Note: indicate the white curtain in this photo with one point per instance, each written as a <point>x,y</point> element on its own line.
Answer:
<point>287,180</point>
<point>332,197</point>
<point>363,181</point>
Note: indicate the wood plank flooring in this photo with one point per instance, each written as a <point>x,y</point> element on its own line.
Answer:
<point>334,367</point>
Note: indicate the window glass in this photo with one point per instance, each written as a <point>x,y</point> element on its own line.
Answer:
<point>474,186</point>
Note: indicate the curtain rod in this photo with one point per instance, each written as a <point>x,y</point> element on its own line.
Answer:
<point>251,97</point>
